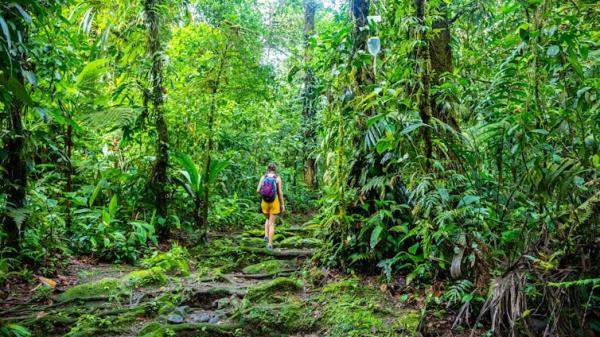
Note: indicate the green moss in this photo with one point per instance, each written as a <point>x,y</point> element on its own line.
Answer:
<point>341,286</point>
<point>191,329</point>
<point>313,275</point>
<point>153,329</point>
<point>145,277</point>
<point>266,267</point>
<point>301,242</point>
<point>90,325</point>
<point>350,308</point>
<point>289,316</point>
<point>106,287</point>
<point>269,289</point>
<point>42,293</point>
<point>408,322</point>
<point>253,241</point>
<point>175,261</point>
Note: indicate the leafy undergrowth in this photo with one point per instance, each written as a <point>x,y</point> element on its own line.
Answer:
<point>351,308</point>
<point>232,286</point>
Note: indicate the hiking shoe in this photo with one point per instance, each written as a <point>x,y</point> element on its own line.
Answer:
<point>270,247</point>
<point>266,239</point>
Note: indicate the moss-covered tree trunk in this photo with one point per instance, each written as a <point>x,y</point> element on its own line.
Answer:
<point>423,93</point>
<point>14,177</point>
<point>440,56</point>
<point>308,96</point>
<point>16,173</point>
<point>159,172</point>
<point>68,176</point>
<point>215,85</point>
<point>359,11</point>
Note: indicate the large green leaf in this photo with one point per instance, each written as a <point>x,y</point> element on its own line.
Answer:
<point>192,173</point>
<point>19,91</point>
<point>376,235</point>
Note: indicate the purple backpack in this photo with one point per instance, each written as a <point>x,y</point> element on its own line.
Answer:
<point>268,189</point>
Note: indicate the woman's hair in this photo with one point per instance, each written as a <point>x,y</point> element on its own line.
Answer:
<point>271,168</point>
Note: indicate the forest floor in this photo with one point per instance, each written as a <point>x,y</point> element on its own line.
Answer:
<point>232,286</point>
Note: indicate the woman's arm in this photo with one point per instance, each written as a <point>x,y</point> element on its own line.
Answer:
<point>259,184</point>
<point>280,193</point>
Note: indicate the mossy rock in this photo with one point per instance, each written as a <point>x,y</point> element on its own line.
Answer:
<point>301,242</point>
<point>153,329</point>
<point>253,241</point>
<point>289,316</point>
<point>175,261</point>
<point>253,233</point>
<point>268,289</point>
<point>103,287</point>
<point>350,308</point>
<point>145,277</point>
<point>266,267</point>
<point>156,329</point>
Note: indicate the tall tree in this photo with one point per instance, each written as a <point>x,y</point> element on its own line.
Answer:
<point>308,95</point>
<point>155,51</point>
<point>423,93</point>
<point>363,76</point>
<point>13,64</point>
<point>440,57</point>
<point>214,90</point>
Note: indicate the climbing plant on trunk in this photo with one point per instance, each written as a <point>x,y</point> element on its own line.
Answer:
<point>309,95</point>
<point>159,171</point>
<point>214,89</point>
<point>14,98</point>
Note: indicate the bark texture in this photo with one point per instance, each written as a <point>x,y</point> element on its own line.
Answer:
<point>309,95</point>
<point>440,56</point>
<point>423,93</point>
<point>16,184</point>
<point>159,173</point>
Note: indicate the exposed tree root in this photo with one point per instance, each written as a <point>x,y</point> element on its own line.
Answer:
<point>279,253</point>
<point>284,272</point>
<point>200,329</point>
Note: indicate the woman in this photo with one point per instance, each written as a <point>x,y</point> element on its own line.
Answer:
<point>271,190</point>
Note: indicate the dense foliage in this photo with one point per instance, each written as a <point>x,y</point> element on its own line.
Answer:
<point>452,143</point>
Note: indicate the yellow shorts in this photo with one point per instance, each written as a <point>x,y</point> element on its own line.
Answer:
<point>270,207</point>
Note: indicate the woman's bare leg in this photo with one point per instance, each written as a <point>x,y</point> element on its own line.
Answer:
<point>267,225</point>
<point>272,218</point>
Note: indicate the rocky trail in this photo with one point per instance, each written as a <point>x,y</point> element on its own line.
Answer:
<point>232,286</point>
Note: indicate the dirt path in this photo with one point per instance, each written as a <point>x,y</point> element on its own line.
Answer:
<point>233,286</point>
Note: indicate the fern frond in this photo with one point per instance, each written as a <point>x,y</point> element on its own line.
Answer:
<point>111,118</point>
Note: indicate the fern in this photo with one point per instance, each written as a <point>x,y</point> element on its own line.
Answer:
<point>595,282</point>
<point>111,117</point>
<point>457,293</point>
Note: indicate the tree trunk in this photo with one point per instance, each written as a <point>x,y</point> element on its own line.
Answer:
<point>16,174</point>
<point>423,94</point>
<point>68,176</point>
<point>359,10</point>
<point>159,174</point>
<point>440,56</point>
<point>308,96</point>
<point>359,13</point>
<point>209,146</point>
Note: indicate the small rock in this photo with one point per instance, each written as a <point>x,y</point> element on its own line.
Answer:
<point>182,310</point>
<point>221,303</point>
<point>200,317</point>
<point>175,319</point>
<point>215,319</point>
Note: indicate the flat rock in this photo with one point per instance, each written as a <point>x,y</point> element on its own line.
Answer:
<point>175,318</point>
<point>200,317</point>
